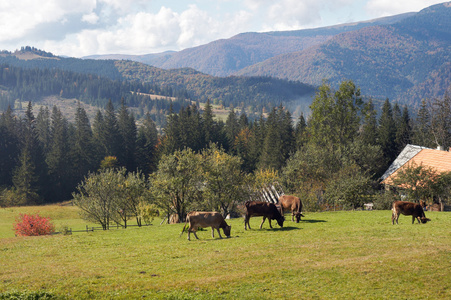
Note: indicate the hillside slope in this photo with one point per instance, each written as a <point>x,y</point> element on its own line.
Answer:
<point>404,61</point>
<point>116,79</point>
<point>227,56</point>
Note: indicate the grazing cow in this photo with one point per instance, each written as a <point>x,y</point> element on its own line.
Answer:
<point>408,209</point>
<point>264,209</point>
<point>204,219</point>
<point>292,203</point>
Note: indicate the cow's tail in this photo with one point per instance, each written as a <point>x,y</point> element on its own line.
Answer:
<point>300,209</point>
<point>186,222</point>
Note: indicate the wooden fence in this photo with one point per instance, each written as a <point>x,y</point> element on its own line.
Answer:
<point>94,228</point>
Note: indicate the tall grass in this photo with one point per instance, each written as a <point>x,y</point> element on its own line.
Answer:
<point>329,255</point>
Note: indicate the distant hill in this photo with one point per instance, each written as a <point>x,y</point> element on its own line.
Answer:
<point>226,56</point>
<point>145,58</point>
<point>30,57</point>
<point>253,92</point>
<point>127,78</point>
<point>404,61</point>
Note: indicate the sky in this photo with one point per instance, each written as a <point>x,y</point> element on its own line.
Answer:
<point>79,28</point>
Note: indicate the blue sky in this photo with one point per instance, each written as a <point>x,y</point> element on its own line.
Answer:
<point>85,27</point>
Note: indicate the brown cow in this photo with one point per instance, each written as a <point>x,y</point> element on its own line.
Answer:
<point>204,219</point>
<point>264,209</point>
<point>292,203</point>
<point>408,209</point>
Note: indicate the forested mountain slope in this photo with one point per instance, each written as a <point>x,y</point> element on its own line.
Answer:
<point>405,61</point>
<point>30,74</point>
<point>226,56</point>
<point>255,93</point>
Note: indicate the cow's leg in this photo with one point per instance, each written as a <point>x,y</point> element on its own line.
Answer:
<point>195,235</point>
<point>264,218</point>
<point>193,231</point>
<point>220,236</point>
<point>394,217</point>
<point>298,217</point>
<point>292,216</point>
<point>212,232</point>
<point>269,221</point>
<point>246,221</point>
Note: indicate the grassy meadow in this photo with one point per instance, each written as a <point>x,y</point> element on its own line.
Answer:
<point>328,255</point>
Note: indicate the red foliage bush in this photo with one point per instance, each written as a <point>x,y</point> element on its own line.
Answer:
<point>31,225</point>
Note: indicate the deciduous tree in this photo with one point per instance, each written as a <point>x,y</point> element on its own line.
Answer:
<point>224,180</point>
<point>177,184</point>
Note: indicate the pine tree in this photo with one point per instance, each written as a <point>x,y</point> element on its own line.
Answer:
<point>368,134</point>
<point>30,175</point>
<point>243,120</point>
<point>403,130</point>
<point>231,128</point>
<point>422,134</point>
<point>171,140</point>
<point>82,151</point>
<point>441,121</point>
<point>98,125</point>
<point>287,133</point>
<point>9,146</point>
<point>301,132</point>
<point>25,180</point>
<point>58,159</point>
<point>208,124</point>
<point>192,134</point>
<point>272,156</point>
<point>212,129</point>
<point>387,133</point>
<point>111,137</point>
<point>43,128</point>
<point>147,155</point>
<point>128,131</point>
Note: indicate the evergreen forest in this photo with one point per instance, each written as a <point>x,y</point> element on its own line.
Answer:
<point>334,156</point>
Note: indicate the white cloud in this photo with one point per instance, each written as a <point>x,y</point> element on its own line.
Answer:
<point>381,8</point>
<point>298,14</point>
<point>18,18</point>
<point>144,32</point>
<point>85,27</point>
<point>91,18</point>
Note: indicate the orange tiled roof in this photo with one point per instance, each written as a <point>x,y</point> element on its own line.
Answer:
<point>436,159</point>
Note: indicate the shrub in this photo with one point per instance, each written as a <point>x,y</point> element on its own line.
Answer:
<point>65,230</point>
<point>32,225</point>
<point>384,200</point>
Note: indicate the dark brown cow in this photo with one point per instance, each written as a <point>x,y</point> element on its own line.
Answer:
<point>292,203</point>
<point>264,209</point>
<point>204,219</point>
<point>408,209</point>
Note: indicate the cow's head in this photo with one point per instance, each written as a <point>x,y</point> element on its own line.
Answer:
<point>298,217</point>
<point>280,220</point>
<point>227,230</point>
<point>424,220</point>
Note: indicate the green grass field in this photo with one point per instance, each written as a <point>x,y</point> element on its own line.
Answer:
<point>329,255</point>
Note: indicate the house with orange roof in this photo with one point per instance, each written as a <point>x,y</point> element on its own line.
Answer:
<point>436,159</point>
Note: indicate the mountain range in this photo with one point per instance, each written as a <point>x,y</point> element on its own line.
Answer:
<point>404,58</point>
